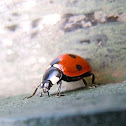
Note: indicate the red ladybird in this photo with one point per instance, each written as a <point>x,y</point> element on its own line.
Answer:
<point>67,67</point>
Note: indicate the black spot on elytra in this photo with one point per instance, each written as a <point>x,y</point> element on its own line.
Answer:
<point>71,55</point>
<point>79,67</point>
<point>56,61</point>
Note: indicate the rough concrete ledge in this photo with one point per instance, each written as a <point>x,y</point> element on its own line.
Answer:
<point>114,118</point>
<point>102,106</point>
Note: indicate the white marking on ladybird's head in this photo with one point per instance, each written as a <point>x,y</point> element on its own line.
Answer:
<point>56,65</point>
<point>54,79</point>
<point>46,85</point>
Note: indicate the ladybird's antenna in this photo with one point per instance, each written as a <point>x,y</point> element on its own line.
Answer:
<point>33,92</point>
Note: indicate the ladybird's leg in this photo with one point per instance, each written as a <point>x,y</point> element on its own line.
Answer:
<point>59,88</point>
<point>41,94</point>
<point>59,82</point>
<point>41,84</point>
<point>48,94</point>
<point>85,83</point>
<point>93,81</point>
<point>93,78</point>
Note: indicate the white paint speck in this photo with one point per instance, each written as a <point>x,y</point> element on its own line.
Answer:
<point>51,19</point>
<point>42,60</point>
<point>29,4</point>
<point>10,51</point>
<point>25,25</point>
<point>7,42</point>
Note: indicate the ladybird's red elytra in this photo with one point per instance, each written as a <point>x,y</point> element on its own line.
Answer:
<point>67,67</point>
<point>72,65</point>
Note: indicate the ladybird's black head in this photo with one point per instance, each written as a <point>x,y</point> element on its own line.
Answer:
<point>46,85</point>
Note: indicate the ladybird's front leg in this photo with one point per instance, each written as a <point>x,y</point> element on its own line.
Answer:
<point>48,93</point>
<point>58,93</point>
<point>41,94</point>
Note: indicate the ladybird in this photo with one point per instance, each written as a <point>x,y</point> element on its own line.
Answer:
<point>67,67</point>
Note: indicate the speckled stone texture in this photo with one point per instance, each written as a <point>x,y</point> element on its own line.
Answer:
<point>34,32</point>
<point>101,106</point>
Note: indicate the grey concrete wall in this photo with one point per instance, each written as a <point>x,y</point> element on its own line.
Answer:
<point>101,106</point>
<point>33,33</point>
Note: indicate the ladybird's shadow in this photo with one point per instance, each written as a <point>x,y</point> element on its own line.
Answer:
<point>64,93</point>
<point>78,89</point>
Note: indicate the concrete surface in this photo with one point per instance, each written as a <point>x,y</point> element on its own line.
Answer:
<point>34,32</point>
<point>101,106</point>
